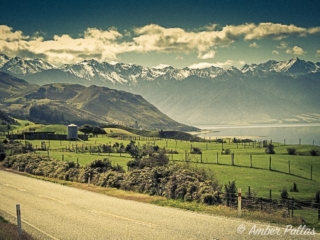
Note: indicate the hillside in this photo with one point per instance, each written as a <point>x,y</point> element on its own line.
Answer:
<point>73,103</point>
<point>6,120</point>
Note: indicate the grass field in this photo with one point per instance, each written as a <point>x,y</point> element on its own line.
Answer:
<point>260,179</point>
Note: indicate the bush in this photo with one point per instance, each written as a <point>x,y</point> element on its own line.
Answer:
<point>294,188</point>
<point>270,149</point>
<point>230,193</point>
<point>284,194</point>
<point>196,150</point>
<point>314,152</point>
<point>291,151</point>
<point>2,156</point>
<point>227,151</point>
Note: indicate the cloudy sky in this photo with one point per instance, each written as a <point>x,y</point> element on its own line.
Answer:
<point>152,33</point>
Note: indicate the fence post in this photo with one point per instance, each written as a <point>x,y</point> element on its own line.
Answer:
<point>292,205</point>
<point>232,159</point>
<point>251,160</point>
<point>270,197</point>
<point>289,166</point>
<point>239,202</point>
<point>270,163</point>
<point>19,220</point>
<point>318,203</point>
<point>217,157</point>
<point>89,179</point>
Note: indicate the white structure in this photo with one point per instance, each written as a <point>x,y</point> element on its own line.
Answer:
<point>72,132</point>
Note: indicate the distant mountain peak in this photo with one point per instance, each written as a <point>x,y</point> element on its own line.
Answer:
<point>102,73</point>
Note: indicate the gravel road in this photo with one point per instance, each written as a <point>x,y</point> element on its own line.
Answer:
<point>53,211</point>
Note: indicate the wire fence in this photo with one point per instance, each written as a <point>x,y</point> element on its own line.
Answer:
<point>307,211</point>
<point>258,161</point>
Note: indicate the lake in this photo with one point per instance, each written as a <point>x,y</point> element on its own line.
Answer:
<point>304,133</point>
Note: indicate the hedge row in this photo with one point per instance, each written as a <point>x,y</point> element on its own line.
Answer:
<point>172,181</point>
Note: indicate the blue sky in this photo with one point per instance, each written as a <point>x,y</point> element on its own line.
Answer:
<point>151,33</point>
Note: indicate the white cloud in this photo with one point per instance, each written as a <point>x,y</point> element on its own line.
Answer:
<point>295,51</point>
<point>254,45</point>
<point>283,45</point>
<point>208,55</point>
<point>7,34</point>
<point>201,65</point>
<point>275,31</point>
<point>225,64</point>
<point>106,45</point>
<point>275,52</point>
<point>161,66</point>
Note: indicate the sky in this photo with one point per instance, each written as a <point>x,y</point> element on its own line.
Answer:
<point>156,33</point>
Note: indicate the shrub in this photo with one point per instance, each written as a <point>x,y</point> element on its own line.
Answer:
<point>294,188</point>
<point>2,156</point>
<point>291,151</point>
<point>196,150</point>
<point>318,196</point>
<point>314,152</point>
<point>208,199</point>
<point>230,192</point>
<point>227,151</point>
<point>284,194</point>
<point>270,149</point>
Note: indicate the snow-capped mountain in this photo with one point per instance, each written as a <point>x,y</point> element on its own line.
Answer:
<point>3,59</point>
<point>21,67</point>
<point>293,67</point>
<point>94,72</point>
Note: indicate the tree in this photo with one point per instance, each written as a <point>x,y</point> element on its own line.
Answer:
<point>134,150</point>
<point>230,192</point>
<point>86,129</point>
<point>98,130</point>
<point>291,151</point>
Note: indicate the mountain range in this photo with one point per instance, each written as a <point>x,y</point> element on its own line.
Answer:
<point>270,92</point>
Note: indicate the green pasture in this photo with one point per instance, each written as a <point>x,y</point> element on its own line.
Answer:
<point>251,163</point>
